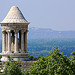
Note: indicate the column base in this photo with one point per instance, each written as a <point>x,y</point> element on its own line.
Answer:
<point>3,52</point>
<point>22,51</point>
<point>8,52</point>
<point>16,52</point>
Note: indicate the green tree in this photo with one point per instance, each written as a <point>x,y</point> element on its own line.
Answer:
<point>12,67</point>
<point>73,63</point>
<point>55,64</point>
<point>31,57</point>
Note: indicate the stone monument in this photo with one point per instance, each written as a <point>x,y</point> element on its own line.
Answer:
<point>14,35</point>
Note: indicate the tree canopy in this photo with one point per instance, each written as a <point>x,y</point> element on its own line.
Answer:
<point>12,67</point>
<point>55,64</point>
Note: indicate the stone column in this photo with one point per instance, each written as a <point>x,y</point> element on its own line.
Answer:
<point>3,41</point>
<point>6,41</point>
<point>9,41</point>
<point>26,41</point>
<point>22,41</point>
<point>16,41</point>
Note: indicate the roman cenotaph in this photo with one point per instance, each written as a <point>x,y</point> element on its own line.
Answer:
<point>14,35</point>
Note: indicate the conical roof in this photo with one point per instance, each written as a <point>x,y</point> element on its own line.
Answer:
<point>14,16</point>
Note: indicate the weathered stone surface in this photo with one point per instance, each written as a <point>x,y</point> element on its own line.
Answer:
<point>14,30</point>
<point>14,16</point>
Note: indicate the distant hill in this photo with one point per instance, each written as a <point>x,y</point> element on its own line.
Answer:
<point>47,33</point>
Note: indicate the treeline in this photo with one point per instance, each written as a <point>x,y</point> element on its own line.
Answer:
<point>42,47</point>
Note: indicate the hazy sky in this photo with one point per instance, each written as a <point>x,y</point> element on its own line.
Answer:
<point>54,14</point>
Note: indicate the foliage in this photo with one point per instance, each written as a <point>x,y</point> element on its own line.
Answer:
<point>31,57</point>
<point>73,53</point>
<point>12,67</point>
<point>55,64</point>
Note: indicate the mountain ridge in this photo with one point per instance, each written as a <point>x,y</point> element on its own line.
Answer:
<point>46,33</point>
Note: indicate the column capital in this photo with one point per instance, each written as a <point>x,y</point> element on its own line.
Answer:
<point>27,30</point>
<point>16,31</point>
<point>22,31</point>
<point>8,31</point>
<point>3,31</point>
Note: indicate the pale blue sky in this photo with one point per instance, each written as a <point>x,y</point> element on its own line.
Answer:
<point>54,14</point>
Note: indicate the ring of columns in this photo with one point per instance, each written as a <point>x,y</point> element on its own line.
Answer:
<point>14,41</point>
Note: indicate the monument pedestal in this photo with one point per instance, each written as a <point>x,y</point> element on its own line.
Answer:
<point>15,56</point>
